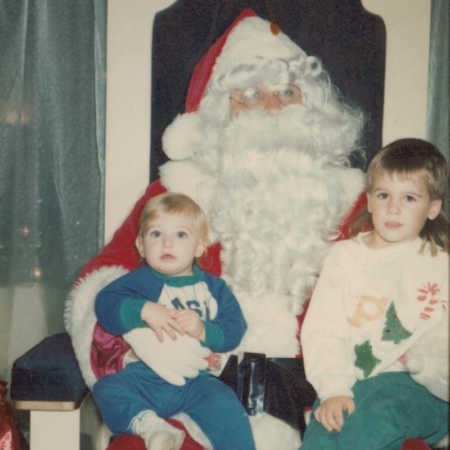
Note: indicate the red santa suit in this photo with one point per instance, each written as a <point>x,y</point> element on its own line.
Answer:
<point>276,188</point>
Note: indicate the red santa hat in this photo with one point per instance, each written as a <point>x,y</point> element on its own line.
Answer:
<point>247,38</point>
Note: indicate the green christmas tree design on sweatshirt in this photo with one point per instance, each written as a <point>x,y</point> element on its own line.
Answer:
<point>365,358</point>
<point>393,329</point>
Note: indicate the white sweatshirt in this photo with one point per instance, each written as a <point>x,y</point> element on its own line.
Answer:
<point>368,308</point>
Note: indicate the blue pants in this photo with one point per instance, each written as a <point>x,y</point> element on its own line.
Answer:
<point>209,402</point>
<point>390,408</point>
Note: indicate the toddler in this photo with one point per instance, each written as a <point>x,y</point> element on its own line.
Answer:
<point>172,296</point>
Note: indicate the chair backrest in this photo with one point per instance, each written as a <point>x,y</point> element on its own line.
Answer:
<point>349,40</point>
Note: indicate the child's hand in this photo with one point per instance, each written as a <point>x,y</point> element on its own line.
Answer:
<point>330,412</point>
<point>161,319</point>
<point>189,321</point>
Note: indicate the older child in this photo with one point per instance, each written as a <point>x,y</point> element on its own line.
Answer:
<point>171,295</point>
<point>378,293</point>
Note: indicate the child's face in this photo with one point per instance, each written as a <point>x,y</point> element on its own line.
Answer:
<point>170,244</point>
<point>400,206</point>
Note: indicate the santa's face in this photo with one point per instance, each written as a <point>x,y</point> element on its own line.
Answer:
<point>260,141</point>
<point>264,117</point>
<point>264,96</point>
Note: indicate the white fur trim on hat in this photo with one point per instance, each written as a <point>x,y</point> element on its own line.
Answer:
<point>253,39</point>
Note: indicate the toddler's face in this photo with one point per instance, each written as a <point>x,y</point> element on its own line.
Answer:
<point>400,206</point>
<point>170,244</point>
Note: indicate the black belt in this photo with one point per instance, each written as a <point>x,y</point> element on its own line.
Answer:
<point>277,386</point>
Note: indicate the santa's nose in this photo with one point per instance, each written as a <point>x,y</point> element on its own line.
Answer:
<point>272,102</point>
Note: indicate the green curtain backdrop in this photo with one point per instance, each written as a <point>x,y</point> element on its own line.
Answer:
<point>438,126</point>
<point>52,116</point>
<point>438,76</point>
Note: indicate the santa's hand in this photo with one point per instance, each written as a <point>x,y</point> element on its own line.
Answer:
<point>171,360</point>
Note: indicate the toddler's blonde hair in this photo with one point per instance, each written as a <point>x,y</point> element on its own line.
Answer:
<point>173,203</point>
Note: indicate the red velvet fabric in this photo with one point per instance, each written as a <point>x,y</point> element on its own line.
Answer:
<point>204,67</point>
<point>133,442</point>
<point>127,442</point>
<point>10,435</point>
<point>415,444</point>
<point>121,247</point>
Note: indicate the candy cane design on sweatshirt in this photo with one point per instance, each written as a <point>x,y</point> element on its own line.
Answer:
<point>428,296</point>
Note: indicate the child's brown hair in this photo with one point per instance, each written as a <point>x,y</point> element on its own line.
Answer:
<point>404,157</point>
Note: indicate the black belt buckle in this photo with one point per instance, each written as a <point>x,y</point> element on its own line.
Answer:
<point>276,386</point>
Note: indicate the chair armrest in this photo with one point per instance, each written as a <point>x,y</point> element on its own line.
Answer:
<point>49,373</point>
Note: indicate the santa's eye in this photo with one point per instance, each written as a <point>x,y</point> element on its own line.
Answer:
<point>250,94</point>
<point>287,92</point>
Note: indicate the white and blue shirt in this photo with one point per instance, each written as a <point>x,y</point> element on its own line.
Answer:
<point>118,306</point>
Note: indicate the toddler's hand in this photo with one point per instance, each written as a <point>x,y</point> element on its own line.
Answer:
<point>161,320</point>
<point>189,321</point>
<point>330,412</point>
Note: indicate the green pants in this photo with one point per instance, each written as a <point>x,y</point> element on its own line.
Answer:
<point>390,408</point>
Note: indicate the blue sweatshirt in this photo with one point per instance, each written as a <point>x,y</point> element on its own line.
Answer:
<point>118,306</point>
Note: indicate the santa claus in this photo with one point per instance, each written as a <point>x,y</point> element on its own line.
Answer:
<point>264,148</point>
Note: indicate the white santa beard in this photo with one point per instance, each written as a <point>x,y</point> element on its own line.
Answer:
<point>328,136</point>
<point>277,205</point>
<point>277,192</point>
